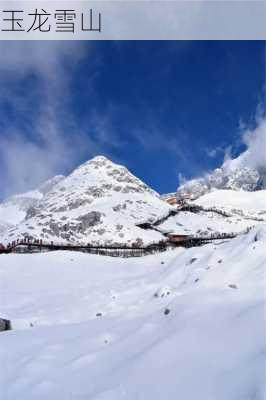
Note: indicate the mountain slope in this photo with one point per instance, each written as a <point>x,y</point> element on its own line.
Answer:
<point>220,211</point>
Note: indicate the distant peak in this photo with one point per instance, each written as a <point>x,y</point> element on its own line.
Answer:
<point>100,161</point>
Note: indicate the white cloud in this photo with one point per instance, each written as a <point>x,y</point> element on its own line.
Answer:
<point>181,179</point>
<point>255,140</point>
<point>254,156</point>
<point>30,155</point>
<point>214,152</point>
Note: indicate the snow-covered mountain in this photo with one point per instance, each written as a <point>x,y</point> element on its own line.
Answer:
<point>236,174</point>
<point>185,323</point>
<point>99,202</point>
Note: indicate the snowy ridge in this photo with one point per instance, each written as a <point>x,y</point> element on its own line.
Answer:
<point>223,178</point>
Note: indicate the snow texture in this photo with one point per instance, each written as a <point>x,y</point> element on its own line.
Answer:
<point>188,324</point>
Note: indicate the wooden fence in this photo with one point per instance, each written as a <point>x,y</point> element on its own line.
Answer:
<point>35,246</point>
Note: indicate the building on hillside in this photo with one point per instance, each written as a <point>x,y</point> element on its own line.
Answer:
<point>173,237</point>
<point>172,201</point>
<point>170,198</point>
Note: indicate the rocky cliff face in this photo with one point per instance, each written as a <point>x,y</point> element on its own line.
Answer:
<point>100,202</point>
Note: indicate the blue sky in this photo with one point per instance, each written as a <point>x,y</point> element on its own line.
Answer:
<point>163,109</point>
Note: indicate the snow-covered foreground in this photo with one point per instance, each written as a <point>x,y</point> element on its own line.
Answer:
<point>187,324</point>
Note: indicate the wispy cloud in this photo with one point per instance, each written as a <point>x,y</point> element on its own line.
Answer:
<point>175,143</point>
<point>252,138</point>
<point>35,118</point>
<point>214,152</point>
<point>254,154</point>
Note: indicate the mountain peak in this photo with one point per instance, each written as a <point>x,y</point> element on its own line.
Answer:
<point>96,163</point>
<point>100,158</point>
<point>100,202</point>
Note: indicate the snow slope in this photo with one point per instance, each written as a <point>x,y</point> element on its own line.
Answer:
<point>249,202</point>
<point>206,223</point>
<point>210,345</point>
<point>243,210</point>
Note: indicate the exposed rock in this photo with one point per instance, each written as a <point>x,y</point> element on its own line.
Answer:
<point>233,286</point>
<point>5,325</point>
<point>232,175</point>
<point>90,219</point>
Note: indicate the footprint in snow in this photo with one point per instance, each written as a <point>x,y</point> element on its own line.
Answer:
<point>162,292</point>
